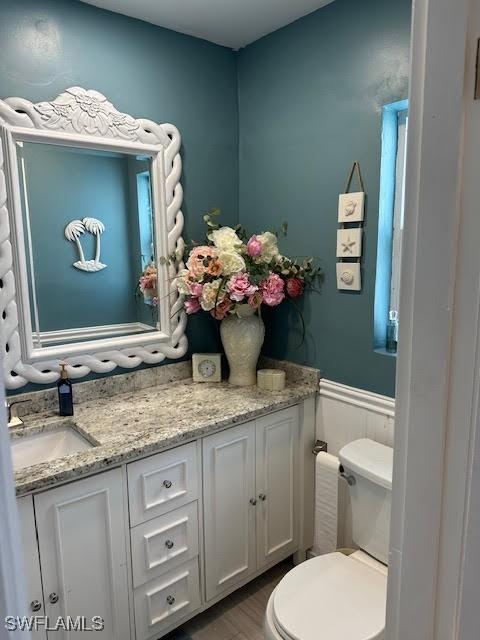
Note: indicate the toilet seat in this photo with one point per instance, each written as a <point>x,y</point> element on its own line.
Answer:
<point>332,597</point>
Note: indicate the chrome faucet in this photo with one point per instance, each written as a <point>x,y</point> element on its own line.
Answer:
<point>13,418</point>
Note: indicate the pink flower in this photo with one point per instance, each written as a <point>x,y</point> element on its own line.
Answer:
<point>254,247</point>
<point>272,290</point>
<point>195,289</point>
<point>295,287</point>
<point>198,262</point>
<point>240,287</point>
<point>256,300</point>
<point>192,305</point>
<point>220,311</point>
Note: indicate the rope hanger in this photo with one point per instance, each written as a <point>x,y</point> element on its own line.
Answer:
<point>355,167</point>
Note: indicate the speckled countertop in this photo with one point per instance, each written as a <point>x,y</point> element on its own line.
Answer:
<point>131,425</point>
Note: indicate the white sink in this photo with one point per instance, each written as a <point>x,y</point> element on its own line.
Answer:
<point>47,445</point>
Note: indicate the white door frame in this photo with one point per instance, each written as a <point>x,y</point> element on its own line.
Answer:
<point>457,610</point>
<point>11,569</point>
<point>421,488</point>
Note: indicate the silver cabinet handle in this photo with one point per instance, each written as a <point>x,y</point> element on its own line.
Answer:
<point>35,605</point>
<point>170,600</point>
<point>53,598</point>
<point>167,484</point>
<point>253,502</point>
<point>262,496</point>
<point>169,544</point>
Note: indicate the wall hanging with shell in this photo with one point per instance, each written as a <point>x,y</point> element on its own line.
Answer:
<point>349,238</point>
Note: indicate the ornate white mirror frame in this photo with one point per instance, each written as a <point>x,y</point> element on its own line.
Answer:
<point>86,119</point>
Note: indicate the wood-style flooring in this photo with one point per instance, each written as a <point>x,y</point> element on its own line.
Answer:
<point>239,616</point>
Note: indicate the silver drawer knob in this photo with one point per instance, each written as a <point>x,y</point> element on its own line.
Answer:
<point>253,502</point>
<point>170,600</point>
<point>35,605</point>
<point>167,484</point>
<point>262,496</point>
<point>53,598</point>
<point>169,544</point>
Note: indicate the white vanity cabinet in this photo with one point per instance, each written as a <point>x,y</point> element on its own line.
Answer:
<point>83,556</point>
<point>150,544</point>
<point>251,484</point>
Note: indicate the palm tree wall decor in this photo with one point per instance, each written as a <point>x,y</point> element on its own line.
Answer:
<point>74,230</point>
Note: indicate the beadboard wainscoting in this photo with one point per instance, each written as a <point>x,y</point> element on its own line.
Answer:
<point>345,414</point>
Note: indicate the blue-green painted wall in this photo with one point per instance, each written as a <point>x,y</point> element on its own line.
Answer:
<point>48,45</point>
<point>84,185</point>
<point>310,103</point>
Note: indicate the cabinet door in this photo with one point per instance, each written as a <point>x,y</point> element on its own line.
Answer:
<point>31,564</point>
<point>277,485</point>
<point>81,535</point>
<point>229,486</point>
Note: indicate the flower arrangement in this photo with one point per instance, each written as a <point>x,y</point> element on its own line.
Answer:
<point>233,269</point>
<point>147,284</point>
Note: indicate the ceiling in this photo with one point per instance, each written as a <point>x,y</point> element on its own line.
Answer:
<point>231,23</point>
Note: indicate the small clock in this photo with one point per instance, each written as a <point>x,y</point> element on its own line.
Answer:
<point>207,367</point>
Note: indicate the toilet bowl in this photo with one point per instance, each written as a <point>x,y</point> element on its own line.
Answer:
<point>337,596</point>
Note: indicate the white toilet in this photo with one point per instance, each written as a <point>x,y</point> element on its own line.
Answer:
<point>335,596</point>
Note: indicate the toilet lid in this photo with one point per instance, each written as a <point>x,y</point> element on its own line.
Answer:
<point>334,597</point>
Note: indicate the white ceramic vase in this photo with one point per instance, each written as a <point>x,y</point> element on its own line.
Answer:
<point>242,337</point>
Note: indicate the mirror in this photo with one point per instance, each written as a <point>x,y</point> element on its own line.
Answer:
<point>90,207</point>
<point>89,235</point>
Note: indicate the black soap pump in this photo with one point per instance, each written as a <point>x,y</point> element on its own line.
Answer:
<point>65,392</point>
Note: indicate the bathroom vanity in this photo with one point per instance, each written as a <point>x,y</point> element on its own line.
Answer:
<point>187,492</point>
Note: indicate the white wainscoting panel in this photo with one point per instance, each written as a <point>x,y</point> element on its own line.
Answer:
<point>345,414</point>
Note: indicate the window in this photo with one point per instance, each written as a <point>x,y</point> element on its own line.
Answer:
<point>391,215</point>
<point>145,224</point>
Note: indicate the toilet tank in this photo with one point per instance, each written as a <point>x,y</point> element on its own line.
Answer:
<point>369,464</point>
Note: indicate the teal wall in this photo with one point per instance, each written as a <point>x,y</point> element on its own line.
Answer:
<point>310,103</point>
<point>269,134</point>
<point>147,71</point>
<point>84,185</point>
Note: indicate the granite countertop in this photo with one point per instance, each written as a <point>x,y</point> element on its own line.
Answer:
<point>131,425</point>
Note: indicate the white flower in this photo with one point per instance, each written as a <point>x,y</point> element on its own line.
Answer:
<point>225,239</point>
<point>231,262</point>
<point>269,246</point>
<point>210,295</point>
<point>180,282</point>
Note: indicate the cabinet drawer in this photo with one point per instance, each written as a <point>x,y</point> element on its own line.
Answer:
<point>162,601</point>
<point>164,543</point>
<point>162,483</point>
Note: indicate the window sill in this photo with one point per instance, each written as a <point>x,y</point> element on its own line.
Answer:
<point>384,352</point>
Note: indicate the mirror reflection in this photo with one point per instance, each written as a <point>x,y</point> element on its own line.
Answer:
<point>89,242</point>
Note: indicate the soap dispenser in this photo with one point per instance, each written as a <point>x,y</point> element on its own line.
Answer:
<point>65,392</point>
